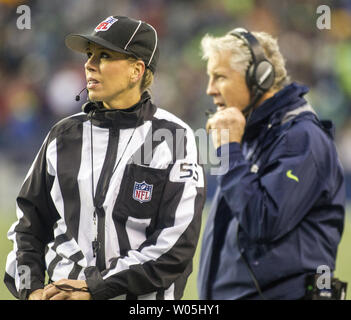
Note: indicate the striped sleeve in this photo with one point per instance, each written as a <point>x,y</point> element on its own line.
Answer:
<point>165,258</point>
<point>25,265</point>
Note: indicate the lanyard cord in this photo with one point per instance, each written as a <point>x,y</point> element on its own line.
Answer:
<point>130,138</point>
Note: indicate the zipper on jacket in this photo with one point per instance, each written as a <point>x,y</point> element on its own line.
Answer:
<point>98,244</point>
<point>95,243</point>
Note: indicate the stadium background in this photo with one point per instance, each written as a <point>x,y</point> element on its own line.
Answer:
<point>39,76</point>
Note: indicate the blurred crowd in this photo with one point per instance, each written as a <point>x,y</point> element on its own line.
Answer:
<point>40,77</point>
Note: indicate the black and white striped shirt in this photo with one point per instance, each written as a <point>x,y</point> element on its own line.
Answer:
<point>128,181</point>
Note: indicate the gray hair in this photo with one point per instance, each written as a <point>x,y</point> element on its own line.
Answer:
<point>241,56</point>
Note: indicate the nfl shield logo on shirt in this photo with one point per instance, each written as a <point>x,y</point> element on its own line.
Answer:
<point>142,191</point>
<point>106,24</point>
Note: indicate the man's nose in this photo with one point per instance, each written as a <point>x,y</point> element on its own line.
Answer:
<point>211,89</point>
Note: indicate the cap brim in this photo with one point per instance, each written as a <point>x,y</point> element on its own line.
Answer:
<point>80,43</point>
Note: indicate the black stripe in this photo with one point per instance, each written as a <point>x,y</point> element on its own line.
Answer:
<point>76,268</point>
<point>53,265</point>
<point>75,271</point>
<point>77,256</point>
<point>100,256</point>
<point>160,295</point>
<point>123,239</point>
<point>107,168</point>
<point>113,264</point>
<point>60,239</point>
<point>69,147</point>
<point>101,191</point>
<point>10,284</point>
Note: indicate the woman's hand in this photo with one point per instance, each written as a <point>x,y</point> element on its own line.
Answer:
<point>36,295</point>
<point>66,289</point>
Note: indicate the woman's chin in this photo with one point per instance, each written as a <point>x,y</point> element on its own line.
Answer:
<point>94,97</point>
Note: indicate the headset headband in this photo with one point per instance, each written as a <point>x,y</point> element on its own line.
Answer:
<point>260,74</point>
<point>252,43</point>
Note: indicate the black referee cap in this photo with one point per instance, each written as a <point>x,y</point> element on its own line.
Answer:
<point>121,34</point>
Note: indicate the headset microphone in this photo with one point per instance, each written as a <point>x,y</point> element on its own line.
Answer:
<point>78,95</point>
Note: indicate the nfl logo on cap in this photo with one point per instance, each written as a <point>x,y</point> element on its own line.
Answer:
<point>142,191</point>
<point>106,24</point>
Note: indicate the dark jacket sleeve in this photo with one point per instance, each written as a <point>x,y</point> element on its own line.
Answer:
<point>270,203</point>
<point>25,266</point>
<point>166,254</point>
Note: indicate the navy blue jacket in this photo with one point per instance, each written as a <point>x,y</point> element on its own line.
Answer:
<point>280,205</point>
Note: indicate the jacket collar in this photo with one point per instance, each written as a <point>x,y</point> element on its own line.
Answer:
<point>273,109</point>
<point>122,119</point>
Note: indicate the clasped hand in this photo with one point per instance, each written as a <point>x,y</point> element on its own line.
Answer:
<point>63,289</point>
<point>226,126</point>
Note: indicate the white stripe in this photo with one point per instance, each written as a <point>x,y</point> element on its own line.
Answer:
<point>148,296</point>
<point>62,269</point>
<point>81,275</point>
<point>51,158</point>
<point>169,293</point>
<point>86,230</point>
<point>11,262</point>
<point>153,52</point>
<point>165,115</point>
<point>61,227</point>
<point>55,193</point>
<point>68,248</point>
<point>162,156</point>
<point>137,28</point>
<point>136,231</point>
<point>50,254</point>
<point>265,75</point>
<point>121,297</point>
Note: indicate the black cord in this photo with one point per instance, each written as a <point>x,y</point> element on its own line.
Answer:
<point>252,275</point>
<point>130,138</point>
<point>69,288</point>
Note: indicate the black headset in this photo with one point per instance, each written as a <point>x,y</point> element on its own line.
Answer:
<point>260,73</point>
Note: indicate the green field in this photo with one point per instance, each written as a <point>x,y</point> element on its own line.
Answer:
<point>343,264</point>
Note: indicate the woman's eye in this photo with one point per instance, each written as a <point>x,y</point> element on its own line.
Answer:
<point>104,55</point>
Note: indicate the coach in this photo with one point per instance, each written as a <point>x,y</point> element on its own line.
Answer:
<point>278,212</point>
